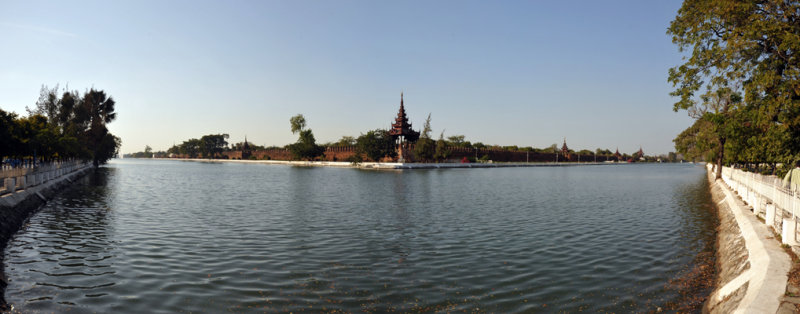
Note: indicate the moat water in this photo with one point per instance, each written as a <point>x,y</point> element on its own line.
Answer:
<point>143,236</point>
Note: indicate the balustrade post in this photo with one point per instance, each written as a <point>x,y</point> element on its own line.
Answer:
<point>770,217</point>
<point>21,182</point>
<point>789,232</point>
<point>11,184</point>
<point>30,180</point>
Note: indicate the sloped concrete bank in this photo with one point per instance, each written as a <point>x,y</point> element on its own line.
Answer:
<point>752,267</point>
<point>15,208</point>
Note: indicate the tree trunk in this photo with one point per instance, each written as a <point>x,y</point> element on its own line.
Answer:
<point>720,156</point>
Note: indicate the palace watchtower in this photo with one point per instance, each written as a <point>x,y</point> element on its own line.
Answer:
<point>565,150</point>
<point>401,132</point>
<point>246,150</point>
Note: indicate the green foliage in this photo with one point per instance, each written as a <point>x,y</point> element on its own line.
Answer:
<point>424,148</point>
<point>345,141</point>
<point>604,152</point>
<point>426,129</point>
<point>190,148</point>
<point>743,60</point>
<point>355,159</point>
<point>67,126</point>
<point>298,123</point>
<point>212,145</point>
<point>306,147</point>
<point>458,141</point>
<point>441,153</point>
<point>375,145</point>
<point>147,153</point>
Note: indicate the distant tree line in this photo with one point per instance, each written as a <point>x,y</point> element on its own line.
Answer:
<point>208,146</point>
<point>740,82</point>
<point>374,145</point>
<point>62,125</point>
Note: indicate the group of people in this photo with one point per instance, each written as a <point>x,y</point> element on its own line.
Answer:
<point>17,163</point>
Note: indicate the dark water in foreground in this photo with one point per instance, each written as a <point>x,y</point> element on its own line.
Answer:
<point>159,236</point>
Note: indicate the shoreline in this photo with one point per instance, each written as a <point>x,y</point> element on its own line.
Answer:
<point>393,165</point>
<point>15,208</point>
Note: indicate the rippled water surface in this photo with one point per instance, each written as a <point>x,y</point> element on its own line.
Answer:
<point>162,236</point>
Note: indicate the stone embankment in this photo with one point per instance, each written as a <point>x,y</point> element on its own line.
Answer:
<point>753,267</point>
<point>22,193</point>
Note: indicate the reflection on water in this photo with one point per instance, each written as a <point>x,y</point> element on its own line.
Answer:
<point>156,236</point>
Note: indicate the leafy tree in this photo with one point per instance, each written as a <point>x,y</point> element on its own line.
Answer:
<point>441,153</point>
<point>604,152</point>
<point>740,48</point>
<point>306,146</point>
<point>100,109</point>
<point>191,147</point>
<point>175,149</point>
<point>424,149</point>
<point>8,142</point>
<point>375,145</point>
<point>70,126</point>
<point>298,123</point>
<point>346,141</point>
<point>458,141</point>
<point>47,105</point>
<point>213,144</point>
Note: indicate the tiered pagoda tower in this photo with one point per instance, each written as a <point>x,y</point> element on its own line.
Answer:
<point>640,153</point>
<point>402,132</point>
<point>246,151</point>
<point>565,150</point>
<point>617,155</point>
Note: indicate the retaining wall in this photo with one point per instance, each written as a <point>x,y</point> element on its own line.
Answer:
<point>754,281</point>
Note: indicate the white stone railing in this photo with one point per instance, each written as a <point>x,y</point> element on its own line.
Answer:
<point>770,200</point>
<point>17,179</point>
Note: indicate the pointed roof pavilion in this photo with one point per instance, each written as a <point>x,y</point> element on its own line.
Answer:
<point>401,127</point>
<point>565,150</point>
<point>246,152</point>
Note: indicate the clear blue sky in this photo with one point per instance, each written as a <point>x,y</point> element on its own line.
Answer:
<point>525,73</point>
